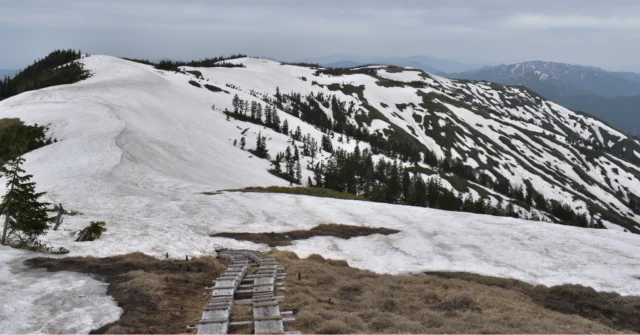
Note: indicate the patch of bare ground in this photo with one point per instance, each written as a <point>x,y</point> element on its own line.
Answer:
<point>154,293</point>
<point>330,297</point>
<point>287,238</point>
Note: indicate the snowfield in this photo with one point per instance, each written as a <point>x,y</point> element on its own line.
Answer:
<point>137,146</point>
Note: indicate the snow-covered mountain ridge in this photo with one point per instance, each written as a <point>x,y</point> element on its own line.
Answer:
<point>502,144</point>
<point>502,133</point>
<point>137,147</point>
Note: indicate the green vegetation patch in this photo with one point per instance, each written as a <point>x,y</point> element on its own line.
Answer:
<point>302,190</point>
<point>195,83</point>
<point>213,88</point>
<point>57,68</point>
<point>196,73</point>
<point>16,138</point>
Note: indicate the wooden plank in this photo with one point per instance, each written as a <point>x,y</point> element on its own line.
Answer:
<point>213,328</point>
<point>216,314</point>
<point>268,327</point>
<point>267,303</point>
<point>263,281</point>
<point>216,320</point>
<point>266,313</point>
<point>258,289</point>
<point>259,275</point>
<point>215,308</point>
<point>279,297</point>
<point>221,298</point>
<point>222,292</point>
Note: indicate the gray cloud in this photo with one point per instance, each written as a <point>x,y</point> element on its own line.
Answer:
<point>577,31</point>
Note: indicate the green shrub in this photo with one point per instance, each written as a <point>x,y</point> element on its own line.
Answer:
<point>214,88</point>
<point>194,83</point>
<point>16,138</point>
<point>92,232</point>
<point>198,74</point>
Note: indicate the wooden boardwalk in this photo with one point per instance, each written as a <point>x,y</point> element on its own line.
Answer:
<point>258,289</point>
<point>217,314</point>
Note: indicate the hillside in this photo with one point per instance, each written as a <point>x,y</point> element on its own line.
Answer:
<point>610,96</point>
<point>497,142</point>
<point>138,146</point>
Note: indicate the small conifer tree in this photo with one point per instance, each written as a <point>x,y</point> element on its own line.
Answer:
<point>25,215</point>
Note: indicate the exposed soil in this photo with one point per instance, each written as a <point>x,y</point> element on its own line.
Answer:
<point>287,238</point>
<point>152,292</point>
<point>328,296</point>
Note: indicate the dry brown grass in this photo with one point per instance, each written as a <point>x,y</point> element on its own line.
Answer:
<point>286,238</point>
<point>152,292</point>
<point>333,298</point>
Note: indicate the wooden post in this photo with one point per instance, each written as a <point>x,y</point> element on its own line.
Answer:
<point>5,227</point>
<point>6,211</point>
<point>59,217</point>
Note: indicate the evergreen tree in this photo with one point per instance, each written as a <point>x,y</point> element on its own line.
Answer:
<point>278,96</point>
<point>22,204</point>
<point>298,172</point>
<point>298,134</point>
<point>326,144</point>
<point>275,120</point>
<point>253,109</point>
<point>258,112</point>
<point>285,127</point>
<point>261,147</point>
<point>267,115</point>
<point>276,164</point>
<point>236,104</point>
<point>243,142</point>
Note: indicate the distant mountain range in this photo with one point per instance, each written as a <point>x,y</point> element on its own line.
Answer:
<point>612,96</point>
<point>426,63</point>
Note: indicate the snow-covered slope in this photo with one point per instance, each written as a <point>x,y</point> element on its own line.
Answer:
<point>137,146</point>
<point>507,133</point>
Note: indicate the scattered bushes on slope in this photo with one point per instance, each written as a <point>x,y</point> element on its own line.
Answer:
<point>16,138</point>
<point>198,74</point>
<point>213,88</point>
<point>57,68</point>
<point>301,190</point>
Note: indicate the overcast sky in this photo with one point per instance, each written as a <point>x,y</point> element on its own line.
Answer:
<point>603,33</point>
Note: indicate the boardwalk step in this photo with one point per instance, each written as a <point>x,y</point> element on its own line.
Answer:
<point>214,320</point>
